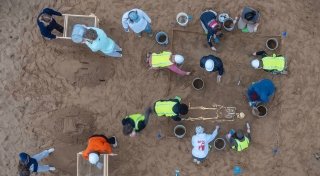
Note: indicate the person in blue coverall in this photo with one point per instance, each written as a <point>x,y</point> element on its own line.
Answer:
<point>260,92</point>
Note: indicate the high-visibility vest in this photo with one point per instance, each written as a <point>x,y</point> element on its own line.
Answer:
<point>273,63</point>
<point>161,59</point>
<point>136,118</point>
<point>165,108</point>
<point>242,145</point>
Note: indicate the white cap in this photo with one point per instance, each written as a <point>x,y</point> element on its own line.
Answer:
<point>178,59</point>
<point>199,130</point>
<point>93,158</point>
<point>255,63</point>
<point>209,65</point>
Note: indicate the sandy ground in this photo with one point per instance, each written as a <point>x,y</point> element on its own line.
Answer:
<point>56,93</point>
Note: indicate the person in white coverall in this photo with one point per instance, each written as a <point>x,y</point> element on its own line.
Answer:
<point>200,144</point>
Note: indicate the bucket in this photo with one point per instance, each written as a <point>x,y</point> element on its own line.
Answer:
<point>197,83</point>
<point>272,44</point>
<point>182,19</point>
<point>219,143</point>
<point>179,131</point>
<point>260,111</point>
<point>228,24</point>
<point>162,38</point>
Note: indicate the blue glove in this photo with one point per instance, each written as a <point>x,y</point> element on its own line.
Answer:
<point>216,40</point>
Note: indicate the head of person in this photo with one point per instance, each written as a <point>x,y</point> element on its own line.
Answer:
<point>127,129</point>
<point>209,65</point>
<point>90,34</point>
<point>45,18</point>
<point>24,158</point>
<point>183,109</point>
<point>255,63</point>
<point>133,16</point>
<point>93,158</point>
<point>240,135</point>
<point>199,130</point>
<point>178,59</point>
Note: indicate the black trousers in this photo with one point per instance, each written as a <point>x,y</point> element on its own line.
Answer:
<point>56,26</point>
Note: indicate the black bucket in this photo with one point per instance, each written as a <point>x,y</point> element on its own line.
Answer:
<point>260,111</point>
<point>162,38</point>
<point>272,44</point>
<point>219,144</point>
<point>198,83</point>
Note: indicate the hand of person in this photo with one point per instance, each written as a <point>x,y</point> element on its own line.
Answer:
<point>133,134</point>
<point>228,136</point>
<point>217,127</point>
<point>127,30</point>
<point>99,165</point>
<point>188,73</point>
<point>248,130</point>
<point>254,54</point>
<point>219,78</point>
<point>256,27</point>
<point>213,48</point>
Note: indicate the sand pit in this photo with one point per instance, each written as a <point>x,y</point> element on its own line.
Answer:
<point>57,93</point>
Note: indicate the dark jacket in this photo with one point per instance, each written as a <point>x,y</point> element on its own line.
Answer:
<point>33,162</point>
<point>206,18</point>
<point>46,30</point>
<point>218,65</point>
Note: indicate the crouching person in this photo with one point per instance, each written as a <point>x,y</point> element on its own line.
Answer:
<point>200,144</point>
<point>98,144</point>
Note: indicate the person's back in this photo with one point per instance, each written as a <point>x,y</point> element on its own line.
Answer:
<point>171,108</point>
<point>200,143</point>
<point>97,144</point>
<point>161,60</point>
<point>102,42</point>
<point>261,91</point>
<point>273,63</point>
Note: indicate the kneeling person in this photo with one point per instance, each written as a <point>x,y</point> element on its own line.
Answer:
<point>171,108</point>
<point>135,123</point>
<point>274,63</point>
<point>212,63</point>
<point>98,144</point>
<point>168,60</point>
<point>238,140</point>
<point>200,144</point>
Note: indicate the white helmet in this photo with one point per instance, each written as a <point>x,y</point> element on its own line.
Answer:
<point>93,158</point>
<point>199,130</point>
<point>209,65</point>
<point>178,59</point>
<point>255,63</point>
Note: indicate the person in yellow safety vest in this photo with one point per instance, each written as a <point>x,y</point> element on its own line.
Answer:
<point>238,140</point>
<point>171,108</point>
<point>272,63</point>
<point>135,123</point>
<point>168,60</point>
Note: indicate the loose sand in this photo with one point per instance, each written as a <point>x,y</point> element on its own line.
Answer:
<point>56,93</point>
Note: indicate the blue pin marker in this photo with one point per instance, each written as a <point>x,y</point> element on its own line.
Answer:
<point>189,17</point>
<point>237,170</point>
<point>284,34</point>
